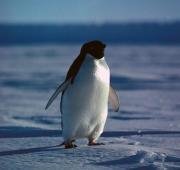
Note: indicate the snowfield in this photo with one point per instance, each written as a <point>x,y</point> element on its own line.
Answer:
<point>144,134</point>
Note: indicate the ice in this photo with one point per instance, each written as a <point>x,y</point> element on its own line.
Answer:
<point>144,134</point>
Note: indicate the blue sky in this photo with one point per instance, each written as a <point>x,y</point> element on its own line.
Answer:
<point>88,11</point>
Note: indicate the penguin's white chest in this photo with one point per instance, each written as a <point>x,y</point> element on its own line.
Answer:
<point>85,102</point>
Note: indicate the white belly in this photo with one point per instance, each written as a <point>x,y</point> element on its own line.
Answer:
<point>85,102</point>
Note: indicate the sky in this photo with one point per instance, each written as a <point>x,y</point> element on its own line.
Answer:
<point>88,11</point>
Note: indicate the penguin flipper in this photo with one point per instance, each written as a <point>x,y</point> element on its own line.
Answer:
<point>113,99</point>
<point>59,89</point>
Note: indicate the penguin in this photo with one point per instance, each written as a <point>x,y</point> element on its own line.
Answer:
<point>86,92</point>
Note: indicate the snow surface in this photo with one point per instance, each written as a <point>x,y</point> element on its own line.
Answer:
<point>145,134</point>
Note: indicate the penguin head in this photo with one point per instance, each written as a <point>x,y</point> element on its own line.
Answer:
<point>95,48</point>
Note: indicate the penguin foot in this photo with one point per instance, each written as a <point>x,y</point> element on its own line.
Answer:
<point>92,143</point>
<point>70,145</point>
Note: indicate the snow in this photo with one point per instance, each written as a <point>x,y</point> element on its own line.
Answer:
<point>145,134</point>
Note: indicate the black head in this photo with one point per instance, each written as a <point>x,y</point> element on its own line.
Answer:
<point>95,48</point>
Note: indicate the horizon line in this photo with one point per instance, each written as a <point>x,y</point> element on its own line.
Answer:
<point>93,23</point>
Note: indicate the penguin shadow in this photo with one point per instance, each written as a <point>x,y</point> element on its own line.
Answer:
<point>30,150</point>
<point>25,132</point>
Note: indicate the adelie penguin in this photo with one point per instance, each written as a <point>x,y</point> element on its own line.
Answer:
<point>86,92</point>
